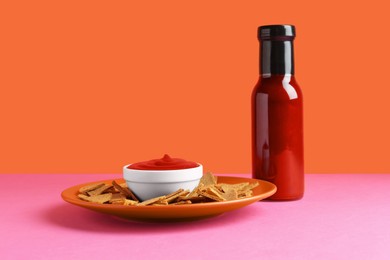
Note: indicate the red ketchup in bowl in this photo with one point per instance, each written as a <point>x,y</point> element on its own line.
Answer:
<point>165,163</point>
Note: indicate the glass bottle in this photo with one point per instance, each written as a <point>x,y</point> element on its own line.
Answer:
<point>277,115</point>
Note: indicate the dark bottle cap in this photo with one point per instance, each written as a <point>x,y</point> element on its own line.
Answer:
<point>276,32</point>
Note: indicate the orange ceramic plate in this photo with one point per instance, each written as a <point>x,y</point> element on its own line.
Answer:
<point>174,212</point>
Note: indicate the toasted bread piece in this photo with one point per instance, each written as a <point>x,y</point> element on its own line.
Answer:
<point>193,199</point>
<point>183,202</point>
<point>213,191</point>
<point>100,190</point>
<point>151,201</point>
<point>250,186</point>
<point>210,196</point>
<point>245,194</point>
<point>225,187</point>
<point>194,192</point>
<point>101,198</point>
<point>130,202</point>
<point>208,179</point>
<point>174,193</point>
<point>83,197</point>
<point>160,203</point>
<point>125,191</point>
<point>117,198</point>
<point>174,197</point>
<point>90,187</point>
<point>230,195</point>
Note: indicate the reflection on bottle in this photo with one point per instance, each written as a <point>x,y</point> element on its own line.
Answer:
<point>291,92</point>
<point>265,160</point>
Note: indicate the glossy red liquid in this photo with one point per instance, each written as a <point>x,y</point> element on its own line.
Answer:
<point>277,135</point>
<point>165,163</point>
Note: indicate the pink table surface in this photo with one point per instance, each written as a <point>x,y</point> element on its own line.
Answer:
<point>342,216</point>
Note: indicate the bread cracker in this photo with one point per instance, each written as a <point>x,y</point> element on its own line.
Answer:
<point>208,179</point>
<point>230,195</point>
<point>210,196</point>
<point>250,186</point>
<point>130,202</point>
<point>100,190</point>
<point>101,198</point>
<point>215,192</point>
<point>194,192</point>
<point>245,194</point>
<point>150,201</point>
<point>174,193</point>
<point>183,202</point>
<point>182,193</point>
<point>91,187</point>
<point>225,187</point>
<point>193,199</point>
<point>125,191</point>
<point>117,198</point>
<point>160,203</point>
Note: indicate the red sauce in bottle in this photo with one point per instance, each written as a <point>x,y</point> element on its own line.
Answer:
<point>277,116</point>
<point>165,163</point>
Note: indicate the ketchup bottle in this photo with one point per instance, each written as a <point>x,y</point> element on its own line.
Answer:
<point>277,115</point>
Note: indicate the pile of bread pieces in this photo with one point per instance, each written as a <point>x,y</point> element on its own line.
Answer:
<point>208,190</point>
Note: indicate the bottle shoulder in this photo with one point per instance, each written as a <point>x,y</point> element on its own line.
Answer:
<point>282,87</point>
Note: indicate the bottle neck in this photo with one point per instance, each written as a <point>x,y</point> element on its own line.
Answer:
<point>276,58</point>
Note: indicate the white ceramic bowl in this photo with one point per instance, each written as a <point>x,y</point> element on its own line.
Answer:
<point>147,184</point>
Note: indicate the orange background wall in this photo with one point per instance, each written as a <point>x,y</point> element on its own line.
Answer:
<point>88,86</point>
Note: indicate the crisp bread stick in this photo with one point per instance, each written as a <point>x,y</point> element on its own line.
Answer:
<point>194,192</point>
<point>101,198</point>
<point>183,202</point>
<point>116,202</point>
<point>173,193</point>
<point>171,196</point>
<point>250,186</point>
<point>225,187</point>
<point>208,179</point>
<point>111,190</point>
<point>83,197</point>
<point>213,191</point>
<point>210,196</point>
<point>160,203</point>
<point>194,199</point>
<point>117,198</point>
<point>100,190</point>
<point>150,201</point>
<point>164,199</point>
<point>130,202</point>
<point>125,191</point>
<point>245,194</point>
<point>132,195</point>
<point>90,187</point>
<point>182,193</point>
<point>230,195</point>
